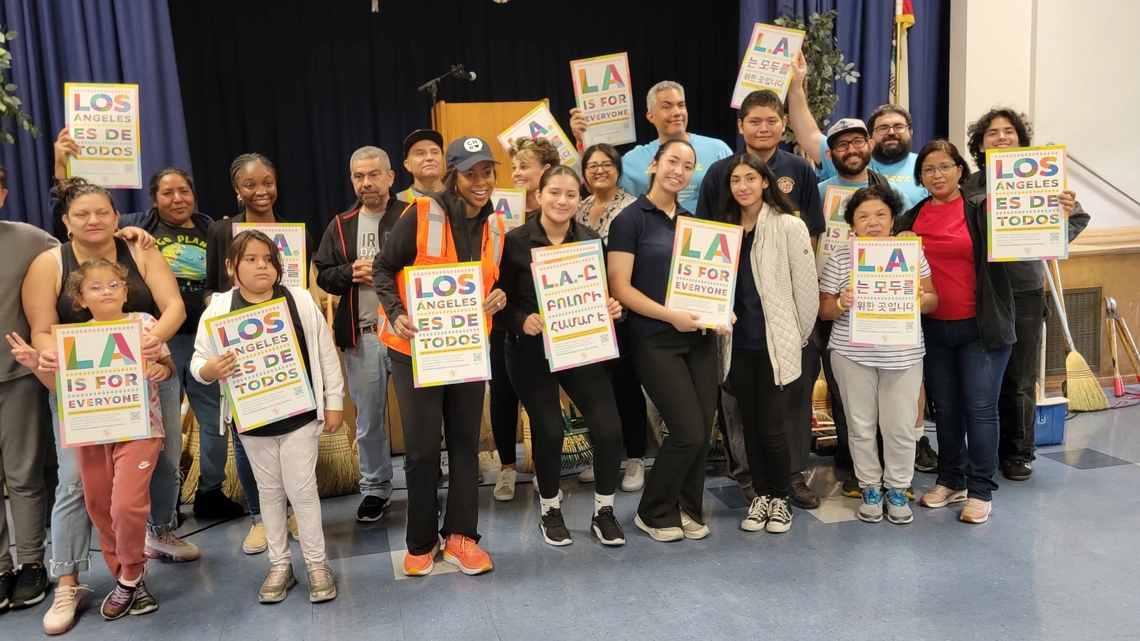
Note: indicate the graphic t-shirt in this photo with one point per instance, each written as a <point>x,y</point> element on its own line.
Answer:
<point>368,244</point>
<point>184,249</point>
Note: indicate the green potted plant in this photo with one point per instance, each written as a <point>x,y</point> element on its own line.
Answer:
<point>10,105</point>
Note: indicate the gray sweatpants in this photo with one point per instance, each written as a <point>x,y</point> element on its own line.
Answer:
<point>25,427</point>
<point>877,399</point>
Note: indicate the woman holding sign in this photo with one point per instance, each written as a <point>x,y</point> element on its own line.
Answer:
<point>530,370</point>
<point>776,302</point>
<point>674,356</point>
<point>455,226</point>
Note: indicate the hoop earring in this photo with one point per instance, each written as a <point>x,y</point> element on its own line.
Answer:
<point>70,235</point>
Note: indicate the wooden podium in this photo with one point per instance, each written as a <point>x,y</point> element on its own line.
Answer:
<point>483,119</point>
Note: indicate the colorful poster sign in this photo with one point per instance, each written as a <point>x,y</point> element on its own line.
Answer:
<point>1026,220</point>
<point>885,281</point>
<point>290,240</point>
<point>270,382</point>
<point>101,387</point>
<point>540,123</point>
<point>767,62</point>
<point>445,304</point>
<point>703,276</point>
<point>574,304</point>
<point>605,98</point>
<point>511,203</point>
<point>104,121</point>
<point>838,231</point>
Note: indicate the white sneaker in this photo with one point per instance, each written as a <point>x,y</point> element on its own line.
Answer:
<point>757,518</point>
<point>61,616</point>
<point>691,528</point>
<point>663,534</point>
<point>505,486</point>
<point>587,475</point>
<point>171,547</point>
<point>634,478</point>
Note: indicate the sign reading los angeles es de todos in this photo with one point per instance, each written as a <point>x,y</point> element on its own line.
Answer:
<point>104,121</point>
<point>1026,219</point>
<point>445,305</point>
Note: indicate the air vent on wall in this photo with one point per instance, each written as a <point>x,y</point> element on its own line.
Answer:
<point>1085,307</point>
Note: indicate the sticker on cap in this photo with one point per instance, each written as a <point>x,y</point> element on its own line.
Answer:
<point>473,145</point>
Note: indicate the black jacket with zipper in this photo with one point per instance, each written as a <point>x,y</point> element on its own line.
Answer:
<point>333,262</point>
<point>993,296</point>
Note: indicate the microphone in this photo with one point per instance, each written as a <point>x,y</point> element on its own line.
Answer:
<point>464,75</point>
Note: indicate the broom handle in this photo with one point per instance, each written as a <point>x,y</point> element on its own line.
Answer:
<point>1055,268</point>
<point>1129,346</point>
<point>1060,310</point>
<point>1041,366</point>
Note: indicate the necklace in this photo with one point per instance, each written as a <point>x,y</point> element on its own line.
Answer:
<point>672,210</point>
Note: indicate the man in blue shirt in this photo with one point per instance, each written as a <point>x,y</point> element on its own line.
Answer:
<point>890,129</point>
<point>668,113</point>
<point>849,151</point>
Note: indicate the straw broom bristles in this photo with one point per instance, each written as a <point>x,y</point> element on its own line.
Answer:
<point>338,470</point>
<point>1081,387</point>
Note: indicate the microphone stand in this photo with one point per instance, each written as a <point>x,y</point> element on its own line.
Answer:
<point>432,86</point>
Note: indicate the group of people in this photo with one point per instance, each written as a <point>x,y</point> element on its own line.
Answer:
<point>173,267</point>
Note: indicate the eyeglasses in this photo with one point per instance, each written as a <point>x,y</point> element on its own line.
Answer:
<point>898,129</point>
<point>600,167</point>
<point>857,143</point>
<point>98,288</point>
<point>928,172</point>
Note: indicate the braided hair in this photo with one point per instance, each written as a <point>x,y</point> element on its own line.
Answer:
<point>240,163</point>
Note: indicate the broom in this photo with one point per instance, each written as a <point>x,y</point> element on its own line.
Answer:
<point>190,482</point>
<point>821,403</point>
<point>577,447</point>
<point>1081,387</point>
<point>528,450</point>
<point>338,470</point>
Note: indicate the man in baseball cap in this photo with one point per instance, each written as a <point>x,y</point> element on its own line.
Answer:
<point>849,147</point>
<point>423,158</point>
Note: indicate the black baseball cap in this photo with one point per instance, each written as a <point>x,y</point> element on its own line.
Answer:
<point>464,153</point>
<point>422,134</point>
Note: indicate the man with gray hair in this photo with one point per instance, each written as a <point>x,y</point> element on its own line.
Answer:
<point>344,268</point>
<point>668,113</point>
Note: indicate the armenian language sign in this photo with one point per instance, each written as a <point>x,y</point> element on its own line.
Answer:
<point>290,241</point>
<point>602,89</point>
<point>511,203</point>
<point>445,304</point>
<point>101,385</point>
<point>767,62</point>
<point>1026,220</point>
<point>885,281</point>
<point>703,276</point>
<point>540,123</point>
<point>104,121</point>
<point>570,284</point>
<point>269,382</point>
<point>838,231</point>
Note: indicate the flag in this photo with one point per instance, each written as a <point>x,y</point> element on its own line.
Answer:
<point>900,69</point>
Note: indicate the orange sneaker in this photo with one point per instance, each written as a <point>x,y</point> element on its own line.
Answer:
<point>464,553</point>
<point>420,564</point>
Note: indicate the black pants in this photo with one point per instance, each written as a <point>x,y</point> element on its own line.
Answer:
<point>1017,405</point>
<point>588,387</point>
<point>679,371</point>
<point>766,411</point>
<point>459,408</point>
<point>627,392</point>
<point>815,355</point>
<point>504,401</point>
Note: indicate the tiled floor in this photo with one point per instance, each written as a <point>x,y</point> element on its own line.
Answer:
<point>1057,561</point>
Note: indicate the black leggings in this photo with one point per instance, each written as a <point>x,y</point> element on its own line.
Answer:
<point>766,411</point>
<point>588,387</point>
<point>504,401</point>
<point>627,392</point>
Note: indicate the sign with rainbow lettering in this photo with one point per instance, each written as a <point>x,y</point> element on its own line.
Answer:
<point>540,123</point>
<point>104,121</point>
<point>1026,219</point>
<point>290,240</point>
<point>270,382</point>
<point>445,305</point>
<point>570,285</point>
<point>767,62</point>
<point>511,203</point>
<point>605,98</point>
<point>838,231</point>
<point>702,279</point>
<point>101,387</point>
<point>885,280</point>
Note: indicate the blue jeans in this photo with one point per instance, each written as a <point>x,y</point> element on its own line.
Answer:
<point>368,366</point>
<point>205,401</point>
<point>70,525</point>
<point>964,380</point>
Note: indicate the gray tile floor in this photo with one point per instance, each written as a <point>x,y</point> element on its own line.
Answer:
<point>1056,561</point>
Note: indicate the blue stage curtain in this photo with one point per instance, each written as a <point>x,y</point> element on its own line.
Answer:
<point>114,41</point>
<point>864,31</point>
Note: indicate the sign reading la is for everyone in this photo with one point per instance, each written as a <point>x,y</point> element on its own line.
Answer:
<point>511,204</point>
<point>104,121</point>
<point>1026,219</point>
<point>290,241</point>
<point>445,305</point>
<point>703,275</point>
<point>540,123</point>
<point>602,89</point>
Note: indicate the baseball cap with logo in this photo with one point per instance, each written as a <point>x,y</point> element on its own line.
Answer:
<point>464,153</point>
<point>843,126</point>
<point>422,134</point>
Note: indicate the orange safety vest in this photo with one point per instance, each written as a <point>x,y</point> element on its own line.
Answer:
<point>436,246</point>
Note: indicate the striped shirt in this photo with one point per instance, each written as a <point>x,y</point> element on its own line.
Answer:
<point>836,276</point>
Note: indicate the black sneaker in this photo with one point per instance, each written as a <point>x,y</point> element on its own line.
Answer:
<point>372,509</point>
<point>851,487</point>
<point>925,458</point>
<point>606,527</point>
<point>214,504</point>
<point>31,586</point>
<point>1017,468</point>
<point>779,516</point>
<point>554,528</point>
<point>7,584</point>
<point>801,495</point>
<point>145,602</point>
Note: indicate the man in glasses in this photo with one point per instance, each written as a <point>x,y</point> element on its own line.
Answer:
<point>849,151</point>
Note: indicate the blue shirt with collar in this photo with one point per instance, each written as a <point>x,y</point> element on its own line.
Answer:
<point>900,174</point>
<point>635,167</point>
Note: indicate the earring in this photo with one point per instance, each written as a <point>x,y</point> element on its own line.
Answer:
<point>70,235</point>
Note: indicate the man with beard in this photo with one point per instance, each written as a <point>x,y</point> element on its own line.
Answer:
<point>849,151</point>
<point>423,158</point>
<point>890,127</point>
<point>344,268</point>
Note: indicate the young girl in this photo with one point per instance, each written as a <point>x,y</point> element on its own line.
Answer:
<point>283,454</point>
<point>120,514</point>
